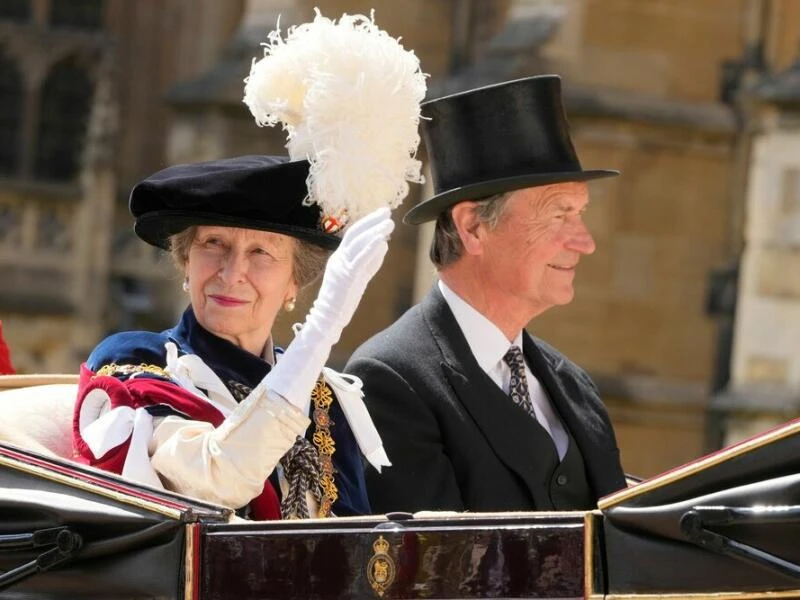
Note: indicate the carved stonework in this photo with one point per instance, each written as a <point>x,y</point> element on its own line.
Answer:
<point>10,225</point>
<point>133,258</point>
<point>103,128</point>
<point>37,51</point>
<point>54,230</point>
<point>766,362</point>
<point>54,216</point>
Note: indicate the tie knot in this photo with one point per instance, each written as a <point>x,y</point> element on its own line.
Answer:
<point>514,358</point>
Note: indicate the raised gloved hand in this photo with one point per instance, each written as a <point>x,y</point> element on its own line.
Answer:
<point>347,274</point>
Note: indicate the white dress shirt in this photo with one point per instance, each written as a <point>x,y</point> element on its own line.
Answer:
<point>489,346</point>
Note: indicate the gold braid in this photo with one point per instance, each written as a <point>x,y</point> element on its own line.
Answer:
<point>115,369</point>
<point>321,484</point>
<point>322,397</point>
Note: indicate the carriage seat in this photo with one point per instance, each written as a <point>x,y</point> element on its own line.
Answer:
<point>36,412</point>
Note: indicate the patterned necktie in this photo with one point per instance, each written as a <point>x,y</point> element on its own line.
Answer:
<point>518,390</point>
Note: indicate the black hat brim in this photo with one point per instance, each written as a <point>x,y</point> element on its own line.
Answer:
<point>156,227</point>
<point>430,209</point>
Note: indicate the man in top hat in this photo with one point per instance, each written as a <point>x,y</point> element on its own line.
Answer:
<point>475,413</point>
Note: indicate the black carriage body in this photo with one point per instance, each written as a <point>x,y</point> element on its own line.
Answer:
<point>481,556</point>
<point>724,527</point>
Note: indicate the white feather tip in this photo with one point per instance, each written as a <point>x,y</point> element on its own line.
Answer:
<point>348,95</point>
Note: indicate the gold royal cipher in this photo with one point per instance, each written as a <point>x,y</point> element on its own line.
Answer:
<point>380,569</point>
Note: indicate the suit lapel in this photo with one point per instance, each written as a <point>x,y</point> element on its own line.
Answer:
<point>546,372</point>
<point>567,397</point>
<point>510,432</point>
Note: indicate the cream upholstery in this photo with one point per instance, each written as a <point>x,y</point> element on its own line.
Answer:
<point>36,412</point>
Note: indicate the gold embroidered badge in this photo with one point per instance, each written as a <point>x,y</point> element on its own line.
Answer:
<point>380,569</point>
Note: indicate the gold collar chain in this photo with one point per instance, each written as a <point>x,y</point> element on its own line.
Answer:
<point>322,396</point>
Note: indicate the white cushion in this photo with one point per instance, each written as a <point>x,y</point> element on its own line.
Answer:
<point>39,417</point>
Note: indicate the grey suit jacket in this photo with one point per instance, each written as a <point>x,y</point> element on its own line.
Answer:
<point>455,440</point>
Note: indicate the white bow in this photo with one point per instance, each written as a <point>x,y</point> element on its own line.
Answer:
<point>191,373</point>
<point>348,392</point>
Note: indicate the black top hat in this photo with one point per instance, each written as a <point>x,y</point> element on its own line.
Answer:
<point>252,192</point>
<point>496,139</point>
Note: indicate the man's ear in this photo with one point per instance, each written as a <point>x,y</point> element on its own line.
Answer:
<point>469,227</point>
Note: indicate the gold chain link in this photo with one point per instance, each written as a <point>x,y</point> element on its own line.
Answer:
<point>322,396</point>
<point>115,369</point>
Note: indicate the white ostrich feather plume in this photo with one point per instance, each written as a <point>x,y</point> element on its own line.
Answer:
<point>348,96</point>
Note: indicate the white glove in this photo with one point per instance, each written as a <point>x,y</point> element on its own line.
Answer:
<point>347,274</point>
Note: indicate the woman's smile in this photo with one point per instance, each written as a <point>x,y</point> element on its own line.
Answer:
<point>226,300</point>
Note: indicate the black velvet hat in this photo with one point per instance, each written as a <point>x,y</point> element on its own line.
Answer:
<point>495,139</point>
<point>252,192</point>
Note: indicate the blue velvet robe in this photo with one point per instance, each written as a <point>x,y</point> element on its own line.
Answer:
<point>230,362</point>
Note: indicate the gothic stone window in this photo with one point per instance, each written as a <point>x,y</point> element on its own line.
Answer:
<point>73,14</point>
<point>10,111</point>
<point>65,102</point>
<point>77,14</point>
<point>42,131</point>
<point>15,10</point>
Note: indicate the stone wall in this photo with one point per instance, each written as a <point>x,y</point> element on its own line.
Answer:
<point>766,366</point>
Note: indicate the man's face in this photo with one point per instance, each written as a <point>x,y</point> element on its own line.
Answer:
<point>533,251</point>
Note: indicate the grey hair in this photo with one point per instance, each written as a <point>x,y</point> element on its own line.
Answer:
<point>308,260</point>
<point>446,247</point>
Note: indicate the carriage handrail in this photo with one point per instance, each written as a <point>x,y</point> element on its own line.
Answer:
<point>695,522</point>
<point>64,544</point>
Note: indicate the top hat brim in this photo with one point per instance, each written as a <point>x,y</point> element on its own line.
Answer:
<point>429,210</point>
<point>156,227</point>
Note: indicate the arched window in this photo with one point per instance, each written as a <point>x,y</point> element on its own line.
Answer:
<point>10,116</point>
<point>66,100</point>
<point>15,10</point>
<point>77,14</point>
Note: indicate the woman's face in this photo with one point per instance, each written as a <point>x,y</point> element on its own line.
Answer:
<point>238,281</point>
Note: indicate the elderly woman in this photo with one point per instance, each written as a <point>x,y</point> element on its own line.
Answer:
<point>211,408</point>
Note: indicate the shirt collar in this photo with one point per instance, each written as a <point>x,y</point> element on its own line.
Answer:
<point>269,352</point>
<point>486,341</point>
